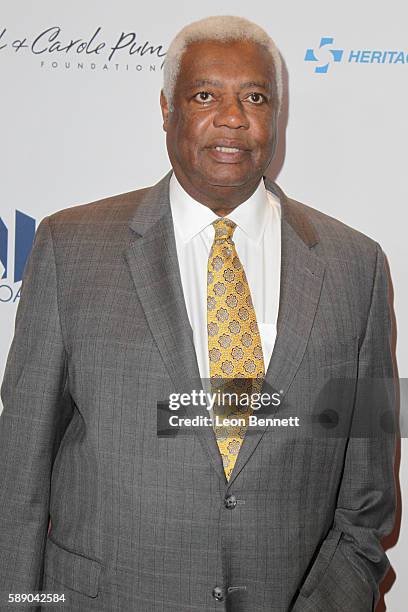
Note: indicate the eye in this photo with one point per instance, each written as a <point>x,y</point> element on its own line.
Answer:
<point>256,98</point>
<point>203,97</point>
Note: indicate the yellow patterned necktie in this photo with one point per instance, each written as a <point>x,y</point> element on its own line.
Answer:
<point>234,343</point>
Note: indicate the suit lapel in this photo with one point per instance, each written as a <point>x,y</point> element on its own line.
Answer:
<point>153,263</point>
<point>301,281</point>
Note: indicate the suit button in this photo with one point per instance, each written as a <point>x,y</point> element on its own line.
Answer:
<point>230,502</point>
<point>218,593</point>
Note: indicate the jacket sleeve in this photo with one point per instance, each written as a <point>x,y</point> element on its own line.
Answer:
<point>36,411</point>
<point>351,562</point>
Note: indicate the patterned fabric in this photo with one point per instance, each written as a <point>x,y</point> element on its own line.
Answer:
<point>138,521</point>
<point>234,343</point>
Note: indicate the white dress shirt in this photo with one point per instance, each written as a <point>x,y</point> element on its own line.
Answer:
<point>257,239</point>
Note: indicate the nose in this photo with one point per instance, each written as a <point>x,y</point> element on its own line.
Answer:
<point>231,113</point>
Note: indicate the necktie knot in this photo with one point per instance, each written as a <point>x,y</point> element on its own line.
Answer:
<point>224,228</point>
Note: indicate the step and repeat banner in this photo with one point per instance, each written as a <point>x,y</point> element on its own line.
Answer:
<point>80,120</point>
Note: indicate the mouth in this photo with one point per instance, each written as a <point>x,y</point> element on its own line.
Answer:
<point>228,152</point>
<point>228,149</point>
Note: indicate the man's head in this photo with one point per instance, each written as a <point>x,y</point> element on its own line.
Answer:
<point>220,101</point>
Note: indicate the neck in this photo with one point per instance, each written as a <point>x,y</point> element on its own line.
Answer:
<point>222,200</point>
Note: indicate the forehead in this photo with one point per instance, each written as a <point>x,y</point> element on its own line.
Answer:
<point>242,60</point>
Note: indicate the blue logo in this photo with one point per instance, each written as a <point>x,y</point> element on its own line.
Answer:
<point>24,232</point>
<point>325,55</point>
<point>337,55</point>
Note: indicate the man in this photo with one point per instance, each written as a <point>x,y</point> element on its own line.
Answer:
<point>212,274</point>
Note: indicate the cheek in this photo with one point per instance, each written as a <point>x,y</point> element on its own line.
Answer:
<point>186,130</point>
<point>264,136</point>
<point>194,135</point>
<point>197,124</point>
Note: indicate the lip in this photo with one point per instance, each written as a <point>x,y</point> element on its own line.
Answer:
<point>232,157</point>
<point>228,142</point>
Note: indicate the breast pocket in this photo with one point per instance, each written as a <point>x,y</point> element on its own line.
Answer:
<point>326,386</point>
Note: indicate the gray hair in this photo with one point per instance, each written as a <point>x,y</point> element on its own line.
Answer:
<point>220,28</point>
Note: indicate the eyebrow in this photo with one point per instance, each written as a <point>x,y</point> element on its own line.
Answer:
<point>204,82</point>
<point>262,85</point>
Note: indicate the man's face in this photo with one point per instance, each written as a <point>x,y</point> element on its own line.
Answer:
<point>222,132</point>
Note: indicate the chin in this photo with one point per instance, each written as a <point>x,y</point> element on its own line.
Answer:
<point>226,174</point>
<point>230,179</point>
<point>226,183</point>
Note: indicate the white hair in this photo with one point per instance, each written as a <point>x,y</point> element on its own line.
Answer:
<point>220,28</point>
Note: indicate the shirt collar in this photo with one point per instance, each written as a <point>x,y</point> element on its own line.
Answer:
<point>191,217</point>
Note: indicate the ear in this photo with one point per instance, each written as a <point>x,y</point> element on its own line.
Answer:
<point>165,110</point>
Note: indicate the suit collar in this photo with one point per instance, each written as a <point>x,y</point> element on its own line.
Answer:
<point>294,215</point>
<point>153,205</point>
<point>156,203</point>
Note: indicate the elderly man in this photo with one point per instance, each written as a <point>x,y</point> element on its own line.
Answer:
<point>211,276</point>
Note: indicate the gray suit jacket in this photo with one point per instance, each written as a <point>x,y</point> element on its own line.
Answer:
<point>140,522</point>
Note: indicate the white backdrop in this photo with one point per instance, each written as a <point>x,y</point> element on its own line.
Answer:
<point>71,134</point>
